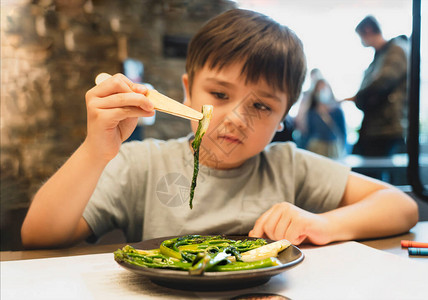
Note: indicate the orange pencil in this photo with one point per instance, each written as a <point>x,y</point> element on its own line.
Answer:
<point>406,244</point>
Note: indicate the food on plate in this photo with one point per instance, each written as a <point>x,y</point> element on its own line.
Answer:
<point>198,254</point>
<point>207,111</point>
<point>270,250</point>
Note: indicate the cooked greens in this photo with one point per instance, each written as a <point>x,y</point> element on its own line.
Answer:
<point>198,254</point>
<point>207,111</point>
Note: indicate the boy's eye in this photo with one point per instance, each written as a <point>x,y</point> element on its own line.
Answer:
<point>261,106</point>
<point>219,95</point>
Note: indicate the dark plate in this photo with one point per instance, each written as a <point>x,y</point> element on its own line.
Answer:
<point>214,280</point>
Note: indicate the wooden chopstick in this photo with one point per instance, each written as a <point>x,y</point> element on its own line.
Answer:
<point>163,103</point>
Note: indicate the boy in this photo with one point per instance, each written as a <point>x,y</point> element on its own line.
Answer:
<point>251,70</point>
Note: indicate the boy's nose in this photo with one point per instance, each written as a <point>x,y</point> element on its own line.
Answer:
<point>239,116</point>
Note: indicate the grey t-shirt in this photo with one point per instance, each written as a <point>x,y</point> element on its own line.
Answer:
<point>144,190</point>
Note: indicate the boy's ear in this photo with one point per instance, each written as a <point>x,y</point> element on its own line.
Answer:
<point>185,81</point>
<point>280,127</point>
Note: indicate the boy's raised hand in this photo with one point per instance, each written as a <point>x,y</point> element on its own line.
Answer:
<point>287,221</point>
<point>55,217</point>
<point>113,108</point>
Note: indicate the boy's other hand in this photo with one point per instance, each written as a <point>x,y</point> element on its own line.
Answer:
<point>287,221</point>
<point>113,108</point>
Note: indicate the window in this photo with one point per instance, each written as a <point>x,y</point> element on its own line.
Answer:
<point>327,30</point>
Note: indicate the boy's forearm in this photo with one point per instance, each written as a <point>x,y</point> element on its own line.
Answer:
<point>382,213</point>
<point>58,206</point>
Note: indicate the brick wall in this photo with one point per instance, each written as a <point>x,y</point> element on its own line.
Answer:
<point>51,51</point>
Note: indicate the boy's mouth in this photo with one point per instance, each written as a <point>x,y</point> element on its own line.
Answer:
<point>229,138</point>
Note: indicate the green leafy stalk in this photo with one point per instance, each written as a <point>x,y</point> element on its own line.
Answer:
<point>195,174</point>
<point>241,266</point>
<point>196,254</point>
<point>132,256</point>
<point>207,111</point>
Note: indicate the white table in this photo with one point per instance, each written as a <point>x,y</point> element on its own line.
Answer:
<point>349,270</point>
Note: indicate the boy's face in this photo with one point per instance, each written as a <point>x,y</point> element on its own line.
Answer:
<point>245,116</point>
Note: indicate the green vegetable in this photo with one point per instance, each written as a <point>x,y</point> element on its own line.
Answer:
<point>167,251</point>
<point>242,266</point>
<point>207,111</point>
<point>135,257</point>
<point>196,254</point>
<point>209,259</point>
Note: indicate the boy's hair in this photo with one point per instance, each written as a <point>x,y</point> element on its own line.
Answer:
<point>368,22</point>
<point>268,50</point>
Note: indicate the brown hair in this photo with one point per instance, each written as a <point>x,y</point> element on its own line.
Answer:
<point>369,23</point>
<point>268,50</point>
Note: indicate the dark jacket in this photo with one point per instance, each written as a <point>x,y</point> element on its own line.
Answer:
<point>383,92</point>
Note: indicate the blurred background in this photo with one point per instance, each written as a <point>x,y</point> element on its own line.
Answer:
<point>51,51</point>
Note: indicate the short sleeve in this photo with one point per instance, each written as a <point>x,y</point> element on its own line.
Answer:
<point>115,202</point>
<point>319,181</point>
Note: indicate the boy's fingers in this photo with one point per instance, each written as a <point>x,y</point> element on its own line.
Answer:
<point>295,234</point>
<point>257,230</point>
<point>116,115</point>
<point>118,83</point>
<point>124,100</point>
<point>282,227</point>
<point>123,78</point>
<point>139,88</point>
<point>271,222</point>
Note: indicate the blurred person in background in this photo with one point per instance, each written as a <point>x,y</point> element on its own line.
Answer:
<point>382,94</point>
<point>300,119</point>
<point>324,128</point>
<point>285,135</point>
<point>293,127</point>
